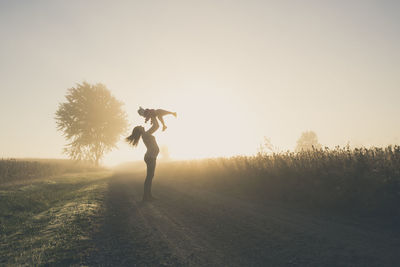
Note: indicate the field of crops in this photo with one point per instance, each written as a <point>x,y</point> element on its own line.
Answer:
<point>364,181</point>
<point>361,180</point>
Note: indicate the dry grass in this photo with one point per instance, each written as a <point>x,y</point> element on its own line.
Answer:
<point>362,180</point>
<point>12,170</point>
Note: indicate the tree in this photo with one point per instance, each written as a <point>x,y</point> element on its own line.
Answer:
<point>92,120</point>
<point>308,141</point>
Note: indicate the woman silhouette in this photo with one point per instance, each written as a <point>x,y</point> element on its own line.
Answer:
<point>151,154</point>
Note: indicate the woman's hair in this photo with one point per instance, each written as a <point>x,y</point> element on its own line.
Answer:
<point>134,138</point>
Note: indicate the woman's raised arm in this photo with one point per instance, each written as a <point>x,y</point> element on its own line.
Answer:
<point>154,127</point>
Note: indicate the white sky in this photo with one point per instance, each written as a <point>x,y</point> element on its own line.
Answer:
<point>235,71</point>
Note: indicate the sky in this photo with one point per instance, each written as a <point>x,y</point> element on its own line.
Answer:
<point>234,71</point>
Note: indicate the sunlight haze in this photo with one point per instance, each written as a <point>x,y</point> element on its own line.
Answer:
<point>234,71</point>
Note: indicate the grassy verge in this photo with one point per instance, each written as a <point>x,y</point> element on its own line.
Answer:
<point>48,221</point>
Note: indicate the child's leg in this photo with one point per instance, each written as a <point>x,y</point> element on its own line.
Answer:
<point>163,112</point>
<point>160,118</point>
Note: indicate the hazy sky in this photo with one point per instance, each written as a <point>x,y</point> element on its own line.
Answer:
<point>235,71</point>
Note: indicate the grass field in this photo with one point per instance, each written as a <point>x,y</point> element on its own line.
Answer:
<point>14,170</point>
<point>48,220</point>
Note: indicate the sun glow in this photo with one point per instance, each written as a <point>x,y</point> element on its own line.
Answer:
<point>208,125</point>
<point>211,122</point>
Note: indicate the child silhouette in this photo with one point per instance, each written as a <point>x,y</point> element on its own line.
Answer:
<point>158,113</point>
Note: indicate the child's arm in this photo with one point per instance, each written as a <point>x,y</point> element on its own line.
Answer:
<point>148,114</point>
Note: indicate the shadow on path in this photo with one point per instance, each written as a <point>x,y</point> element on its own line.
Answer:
<point>124,238</point>
<point>195,227</point>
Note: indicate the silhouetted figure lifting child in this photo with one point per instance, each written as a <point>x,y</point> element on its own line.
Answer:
<point>150,142</point>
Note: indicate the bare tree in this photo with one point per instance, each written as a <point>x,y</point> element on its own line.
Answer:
<point>92,120</point>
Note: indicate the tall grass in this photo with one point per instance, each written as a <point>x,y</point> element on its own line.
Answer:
<point>360,180</point>
<point>14,170</point>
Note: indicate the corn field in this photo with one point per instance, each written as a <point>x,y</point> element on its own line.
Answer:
<point>361,180</point>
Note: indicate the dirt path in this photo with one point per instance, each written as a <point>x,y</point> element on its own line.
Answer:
<point>189,227</point>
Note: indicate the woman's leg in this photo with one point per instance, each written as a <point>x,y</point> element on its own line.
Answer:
<point>151,166</point>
